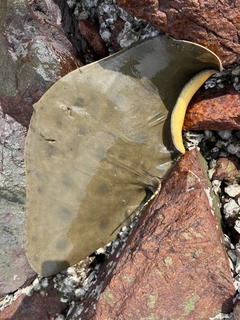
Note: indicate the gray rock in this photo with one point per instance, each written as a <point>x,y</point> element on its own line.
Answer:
<point>14,267</point>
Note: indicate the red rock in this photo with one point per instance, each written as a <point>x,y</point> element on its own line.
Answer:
<point>227,170</point>
<point>214,109</point>
<point>41,305</point>
<point>207,22</point>
<point>90,32</point>
<point>174,264</point>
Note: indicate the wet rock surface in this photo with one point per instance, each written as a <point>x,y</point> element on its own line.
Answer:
<point>209,23</point>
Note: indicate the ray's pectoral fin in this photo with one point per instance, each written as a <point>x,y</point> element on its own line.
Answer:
<point>179,110</point>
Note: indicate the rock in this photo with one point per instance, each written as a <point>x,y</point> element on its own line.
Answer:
<point>236,310</point>
<point>34,54</point>
<point>44,304</point>
<point>230,209</point>
<point>209,23</point>
<point>214,109</point>
<point>233,190</point>
<point>90,31</point>
<point>225,134</point>
<point>174,264</point>
<point>227,170</point>
<point>14,268</point>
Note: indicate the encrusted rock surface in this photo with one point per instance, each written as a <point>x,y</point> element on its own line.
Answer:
<point>174,264</point>
<point>14,267</point>
<point>214,24</point>
<point>43,304</point>
<point>34,54</point>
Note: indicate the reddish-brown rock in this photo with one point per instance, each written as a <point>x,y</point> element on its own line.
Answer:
<point>34,54</point>
<point>214,109</point>
<point>118,27</point>
<point>214,24</point>
<point>90,31</point>
<point>174,265</point>
<point>227,170</point>
<point>41,305</point>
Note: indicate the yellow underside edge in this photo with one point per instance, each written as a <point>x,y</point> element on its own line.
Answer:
<point>179,111</point>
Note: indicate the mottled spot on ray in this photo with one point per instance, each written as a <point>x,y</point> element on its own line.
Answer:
<point>104,223</point>
<point>80,102</point>
<point>65,214</point>
<point>40,190</point>
<point>50,150</point>
<point>102,189</point>
<point>61,245</point>
<point>99,140</point>
<point>68,181</point>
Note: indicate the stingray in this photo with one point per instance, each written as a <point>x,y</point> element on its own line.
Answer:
<point>99,143</point>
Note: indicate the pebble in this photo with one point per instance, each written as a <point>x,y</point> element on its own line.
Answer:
<point>224,134</point>
<point>215,184</point>
<point>233,148</point>
<point>230,208</point>
<point>232,190</point>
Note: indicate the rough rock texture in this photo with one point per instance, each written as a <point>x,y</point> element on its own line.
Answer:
<point>174,265</point>
<point>14,267</point>
<point>34,54</point>
<point>214,24</point>
<point>208,109</point>
<point>227,170</point>
<point>41,305</point>
<point>90,32</point>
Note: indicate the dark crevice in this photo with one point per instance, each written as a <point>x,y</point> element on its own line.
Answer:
<point>10,197</point>
<point>72,32</point>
